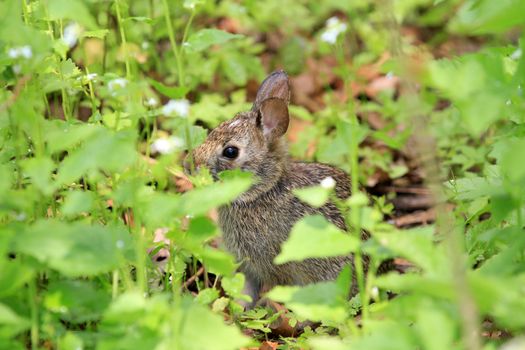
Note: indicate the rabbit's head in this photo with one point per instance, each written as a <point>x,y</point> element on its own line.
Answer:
<point>252,141</point>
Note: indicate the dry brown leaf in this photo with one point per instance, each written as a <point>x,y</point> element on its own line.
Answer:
<point>268,345</point>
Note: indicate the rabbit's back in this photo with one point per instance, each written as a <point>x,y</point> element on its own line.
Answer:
<point>254,231</point>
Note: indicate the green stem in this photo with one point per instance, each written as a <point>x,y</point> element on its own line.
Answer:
<point>177,52</point>
<point>25,12</point>
<point>114,284</point>
<point>91,95</point>
<point>33,305</point>
<point>140,248</point>
<point>356,220</point>
<point>123,39</point>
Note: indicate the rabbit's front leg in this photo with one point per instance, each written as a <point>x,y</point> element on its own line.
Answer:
<point>252,288</point>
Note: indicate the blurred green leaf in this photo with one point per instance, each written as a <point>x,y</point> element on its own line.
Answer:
<point>198,202</point>
<point>316,196</point>
<point>204,38</point>
<point>77,202</point>
<point>173,92</point>
<point>11,323</point>
<point>74,249</point>
<point>324,301</point>
<point>315,237</point>
<point>105,150</point>
<point>71,9</point>
<point>76,301</point>
<point>39,170</point>
<point>487,16</point>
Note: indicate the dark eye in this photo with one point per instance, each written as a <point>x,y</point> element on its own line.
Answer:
<point>230,152</point>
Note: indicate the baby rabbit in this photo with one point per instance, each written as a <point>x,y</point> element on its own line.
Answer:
<point>257,223</point>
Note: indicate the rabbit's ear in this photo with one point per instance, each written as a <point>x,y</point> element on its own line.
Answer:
<point>274,86</point>
<point>274,118</point>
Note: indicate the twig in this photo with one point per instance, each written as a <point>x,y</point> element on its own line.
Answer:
<point>192,279</point>
<point>411,190</point>
<point>413,202</point>
<point>420,217</point>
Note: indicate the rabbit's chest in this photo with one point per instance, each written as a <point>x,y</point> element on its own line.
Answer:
<point>255,233</point>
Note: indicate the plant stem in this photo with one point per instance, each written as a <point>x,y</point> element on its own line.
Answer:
<point>123,39</point>
<point>426,146</point>
<point>140,251</point>
<point>177,52</point>
<point>356,220</point>
<point>114,285</point>
<point>25,12</point>
<point>33,305</point>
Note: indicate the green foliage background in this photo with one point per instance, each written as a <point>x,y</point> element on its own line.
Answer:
<point>85,91</point>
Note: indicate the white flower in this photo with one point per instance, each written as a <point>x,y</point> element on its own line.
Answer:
<point>516,55</point>
<point>87,78</point>
<point>115,84</point>
<point>167,145</point>
<point>334,27</point>
<point>91,76</point>
<point>328,183</point>
<point>374,293</point>
<point>145,45</point>
<point>21,51</point>
<point>179,107</point>
<point>151,102</point>
<point>71,33</point>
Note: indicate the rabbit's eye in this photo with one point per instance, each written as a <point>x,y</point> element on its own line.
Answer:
<point>230,152</point>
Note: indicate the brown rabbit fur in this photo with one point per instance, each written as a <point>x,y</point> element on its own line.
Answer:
<point>257,223</point>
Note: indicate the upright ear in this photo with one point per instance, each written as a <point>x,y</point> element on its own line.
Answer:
<point>274,118</point>
<point>274,86</point>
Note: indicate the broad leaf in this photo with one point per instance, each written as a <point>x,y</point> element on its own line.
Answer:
<point>315,237</point>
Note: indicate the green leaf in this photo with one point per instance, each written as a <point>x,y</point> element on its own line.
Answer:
<point>70,341</point>
<point>105,150</point>
<point>174,92</point>
<point>513,160</point>
<point>435,286</point>
<point>205,38</point>
<point>77,201</point>
<point>417,245</point>
<point>157,208</point>
<point>234,68</point>
<point>324,301</point>
<point>198,202</point>
<point>488,16</point>
<point>76,301</point>
<point>207,296</point>
<point>316,196</point>
<point>14,275</point>
<point>201,229</point>
<point>217,261</point>
<point>233,285</point>
<point>39,170</point>
<point>315,237</point>
<point>61,135</point>
<point>480,88</point>
<point>435,327</point>
<point>195,320</point>
<point>74,249</point>
<point>11,323</point>
<point>71,9</point>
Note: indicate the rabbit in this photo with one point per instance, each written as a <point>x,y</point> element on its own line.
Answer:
<point>256,223</point>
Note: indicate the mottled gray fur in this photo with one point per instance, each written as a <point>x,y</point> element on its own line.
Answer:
<point>257,223</point>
